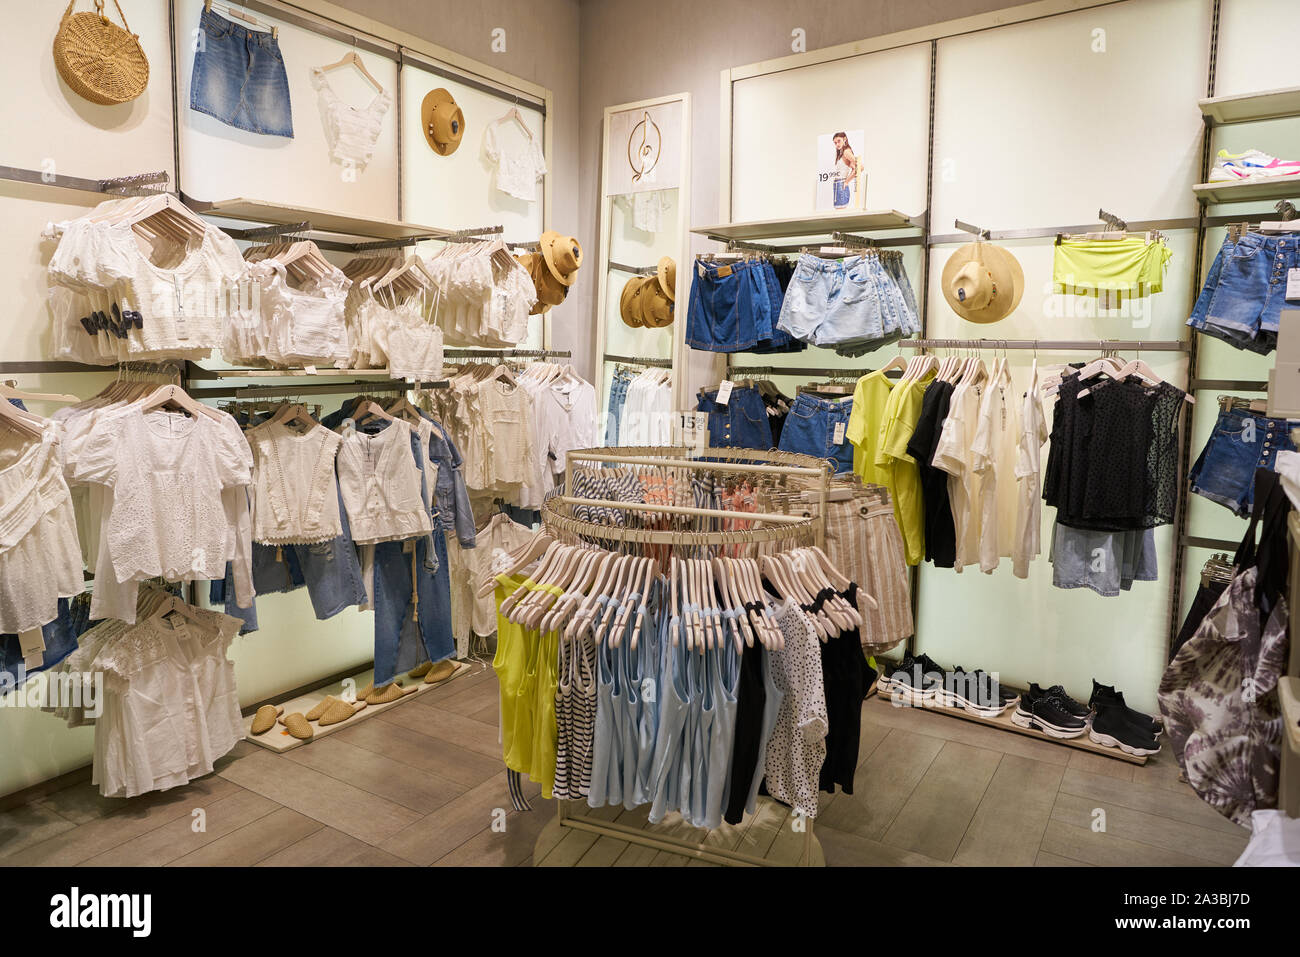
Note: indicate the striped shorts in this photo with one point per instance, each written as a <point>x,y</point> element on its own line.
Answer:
<point>863,541</point>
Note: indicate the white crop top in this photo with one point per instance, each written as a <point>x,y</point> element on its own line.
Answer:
<point>518,159</point>
<point>351,131</point>
<point>380,482</point>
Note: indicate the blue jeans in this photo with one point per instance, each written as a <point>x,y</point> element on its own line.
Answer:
<point>729,305</point>
<point>617,399</point>
<point>741,423</point>
<point>412,619</point>
<point>1241,442</point>
<point>841,193</point>
<point>810,430</point>
<point>239,77</point>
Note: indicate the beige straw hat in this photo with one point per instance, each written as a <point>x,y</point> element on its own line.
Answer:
<point>982,282</point>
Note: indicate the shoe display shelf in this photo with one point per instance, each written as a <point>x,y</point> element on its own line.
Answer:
<point>1252,107</point>
<point>1254,190</point>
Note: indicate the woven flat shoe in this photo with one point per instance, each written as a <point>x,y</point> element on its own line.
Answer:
<point>390,692</point>
<point>419,671</point>
<point>339,712</point>
<point>442,671</point>
<point>264,720</point>
<point>296,724</point>
<point>321,708</point>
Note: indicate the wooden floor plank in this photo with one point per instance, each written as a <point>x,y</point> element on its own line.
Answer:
<point>937,814</point>
<point>343,806</point>
<point>882,785</point>
<point>926,721</point>
<point>446,760</point>
<point>1045,859</point>
<point>842,849</point>
<point>253,842</point>
<point>28,825</point>
<point>179,836</point>
<point>1107,850</point>
<point>446,725</point>
<point>328,847</point>
<point>1184,807</point>
<point>1210,846</point>
<point>400,783</point>
<point>508,848</point>
<point>1009,823</point>
<point>435,836</point>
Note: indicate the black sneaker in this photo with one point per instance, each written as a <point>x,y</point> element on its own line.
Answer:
<point>911,682</point>
<point>973,691</point>
<point>1111,728</point>
<point>1045,711</point>
<point>1067,704</point>
<point>1005,694</point>
<point>1106,694</point>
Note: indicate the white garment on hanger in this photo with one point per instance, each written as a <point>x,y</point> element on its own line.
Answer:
<point>518,158</point>
<point>350,131</point>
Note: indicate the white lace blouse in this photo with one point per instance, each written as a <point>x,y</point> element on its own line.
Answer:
<point>294,497</point>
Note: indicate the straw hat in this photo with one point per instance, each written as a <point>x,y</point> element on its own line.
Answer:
<point>656,308</point>
<point>668,278</point>
<point>982,282</point>
<point>563,256</point>
<point>442,121</point>
<point>629,308</point>
<point>549,291</point>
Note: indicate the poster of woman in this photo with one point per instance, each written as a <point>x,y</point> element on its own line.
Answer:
<point>840,181</point>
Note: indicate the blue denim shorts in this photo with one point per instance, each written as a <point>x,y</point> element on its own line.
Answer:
<point>1240,443</point>
<point>730,304</point>
<point>742,423</point>
<point>239,77</point>
<point>841,193</point>
<point>1245,291</point>
<point>1106,562</point>
<point>810,429</point>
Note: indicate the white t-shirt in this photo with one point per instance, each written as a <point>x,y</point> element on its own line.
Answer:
<point>954,454</point>
<point>518,158</point>
<point>995,451</point>
<point>1029,503</point>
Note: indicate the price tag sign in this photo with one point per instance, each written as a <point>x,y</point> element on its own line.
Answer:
<point>693,430</point>
<point>724,392</point>
<point>309,369</point>
<point>838,436</point>
<point>1293,285</point>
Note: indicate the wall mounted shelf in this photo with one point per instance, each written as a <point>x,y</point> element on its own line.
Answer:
<point>1248,190</point>
<point>1250,107</point>
<point>264,211</point>
<point>819,224</point>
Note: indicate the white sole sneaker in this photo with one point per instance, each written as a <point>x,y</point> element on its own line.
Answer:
<point>1107,741</point>
<point>1023,719</point>
<point>905,694</point>
<point>950,699</point>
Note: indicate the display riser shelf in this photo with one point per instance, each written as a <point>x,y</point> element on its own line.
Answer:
<point>1252,107</point>
<point>262,211</point>
<point>1003,722</point>
<point>1248,191</point>
<point>280,741</point>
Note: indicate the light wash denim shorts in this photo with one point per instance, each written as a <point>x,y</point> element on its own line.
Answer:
<point>239,77</point>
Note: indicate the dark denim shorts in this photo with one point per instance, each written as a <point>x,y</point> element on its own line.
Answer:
<point>239,77</point>
<point>1245,291</point>
<point>1242,442</point>
<point>730,304</point>
<point>810,430</point>
<point>740,424</point>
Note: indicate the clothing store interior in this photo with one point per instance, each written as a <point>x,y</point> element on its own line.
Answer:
<point>344,387</point>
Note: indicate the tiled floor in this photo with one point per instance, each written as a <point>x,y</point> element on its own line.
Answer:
<point>423,782</point>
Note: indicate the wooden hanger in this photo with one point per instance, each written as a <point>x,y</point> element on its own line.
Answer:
<point>10,390</point>
<point>521,559</point>
<point>175,397</point>
<point>352,59</point>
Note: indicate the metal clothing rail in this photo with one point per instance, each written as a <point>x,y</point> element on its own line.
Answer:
<point>743,372</point>
<point>119,185</point>
<point>355,387</point>
<point>1051,345</point>
<point>1237,385</point>
<point>266,232</point>
<point>473,235</point>
<point>635,270</point>
<point>507,354</point>
<point>1045,232</point>
<point>649,363</point>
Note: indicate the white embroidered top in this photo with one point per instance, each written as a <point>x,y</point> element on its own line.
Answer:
<point>518,158</point>
<point>294,491</point>
<point>380,482</point>
<point>351,131</point>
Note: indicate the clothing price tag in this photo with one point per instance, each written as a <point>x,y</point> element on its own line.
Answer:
<point>1293,285</point>
<point>724,392</point>
<point>838,436</point>
<point>31,642</point>
<point>310,370</point>
<point>694,430</point>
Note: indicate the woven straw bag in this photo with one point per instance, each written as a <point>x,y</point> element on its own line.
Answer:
<point>100,60</point>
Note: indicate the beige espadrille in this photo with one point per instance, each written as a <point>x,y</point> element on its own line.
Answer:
<point>264,720</point>
<point>419,671</point>
<point>322,706</point>
<point>389,692</point>
<point>442,671</point>
<point>296,724</point>
<point>339,712</point>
